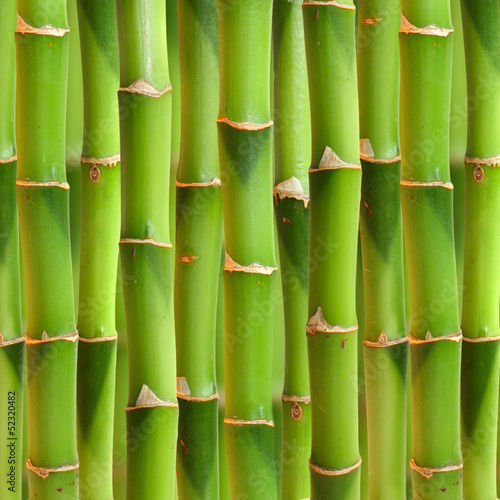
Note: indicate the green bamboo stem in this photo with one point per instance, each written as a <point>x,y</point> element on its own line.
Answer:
<point>480,316</point>
<point>11,338</point>
<point>43,195</point>
<point>335,186</point>
<point>145,249</point>
<point>245,148</point>
<point>197,251</point>
<point>100,233</point>
<point>386,345</point>
<point>427,197</point>
<point>291,200</point>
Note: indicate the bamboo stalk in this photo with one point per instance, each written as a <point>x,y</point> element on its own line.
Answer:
<point>197,251</point>
<point>291,200</point>
<point>145,249</point>
<point>480,316</point>
<point>245,148</point>
<point>427,197</point>
<point>100,233</point>
<point>43,195</point>
<point>335,184</point>
<point>11,339</point>
<point>386,345</point>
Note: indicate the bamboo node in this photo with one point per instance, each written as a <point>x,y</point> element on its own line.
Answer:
<point>453,337</point>
<point>142,87</point>
<point>254,268</point>
<point>148,399</point>
<point>44,472</point>
<point>428,472</point>
<point>317,323</point>
<point>184,392</point>
<point>367,154</point>
<point>214,182</point>
<point>23,28</point>
<point>431,29</point>
<point>492,161</point>
<point>6,343</point>
<point>96,340</point>
<point>328,3</point>
<point>109,161</point>
<point>331,161</point>
<point>24,183</point>
<point>5,161</point>
<point>244,126</point>
<point>413,184</point>
<point>479,340</point>
<point>68,337</point>
<point>291,188</point>
<point>258,421</point>
<point>324,471</point>
<point>144,241</point>
<point>383,341</point>
<point>290,398</point>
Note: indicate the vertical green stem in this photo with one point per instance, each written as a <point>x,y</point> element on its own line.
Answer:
<point>335,184</point>
<point>11,339</point>
<point>100,233</point>
<point>43,195</point>
<point>291,197</point>
<point>427,198</point>
<point>480,317</point>
<point>197,251</point>
<point>245,148</point>
<point>386,345</point>
<point>145,249</point>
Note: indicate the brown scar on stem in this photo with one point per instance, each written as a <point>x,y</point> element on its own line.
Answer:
<point>258,421</point>
<point>478,340</point>
<point>367,154</point>
<point>454,337</point>
<point>491,161</point>
<point>408,28</point>
<point>94,340</point>
<point>142,87</point>
<point>383,341</point>
<point>69,337</point>
<point>323,471</point>
<point>214,182</point>
<point>407,183</point>
<point>24,28</point>
<point>23,183</point>
<point>148,399</point>
<point>248,126</point>
<point>372,20</point>
<point>187,259</point>
<point>44,472</point>
<point>428,472</point>
<point>5,161</point>
<point>145,241</point>
<point>94,173</point>
<point>291,188</point>
<point>317,324</point>
<point>329,3</point>
<point>254,268</point>
<point>109,161</point>
<point>331,161</point>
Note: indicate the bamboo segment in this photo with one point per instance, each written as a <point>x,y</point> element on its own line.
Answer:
<point>43,195</point>
<point>145,249</point>
<point>197,251</point>
<point>335,184</point>
<point>480,316</point>
<point>245,148</point>
<point>291,201</point>
<point>426,195</point>
<point>100,233</point>
<point>386,345</point>
<point>11,339</point>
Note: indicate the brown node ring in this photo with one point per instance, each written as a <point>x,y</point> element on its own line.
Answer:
<point>44,472</point>
<point>428,472</point>
<point>323,471</point>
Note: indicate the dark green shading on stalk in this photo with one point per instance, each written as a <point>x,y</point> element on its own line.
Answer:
<point>245,148</point>
<point>386,345</point>
<point>197,251</point>
<point>43,195</point>
<point>335,187</point>
<point>100,233</point>
<point>292,156</point>
<point>427,198</point>
<point>480,317</point>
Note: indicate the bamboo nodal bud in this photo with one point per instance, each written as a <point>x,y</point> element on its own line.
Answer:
<point>44,472</point>
<point>25,183</point>
<point>257,421</point>
<point>94,173</point>
<point>318,324</point>
<point>142,87</point>
<point>408,28</point>
<point>24,28</point>
<point>5,161</point>
<point>478,173</point>
<point>453,337</point>
<point>254,268</point>
<point>296,412</point>
<point>291,188</point>
<point>328,3</point>
<point>244,126</point>
<point>148,399</point>
<point>324,471</point>
<point>428,472</point>
<point>331,161</point>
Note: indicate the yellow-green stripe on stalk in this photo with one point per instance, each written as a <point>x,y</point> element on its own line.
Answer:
<point>386,344</point>
<point>245,149</point>
<point>197,251</point>
<point>427,198</point>
<point>145,102</point>
<point>11,338</point>
<point>291,200</point>
<point>43,196</point>
<point>480,312</point>
<point>335,188</point>
<point>100,233</point>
